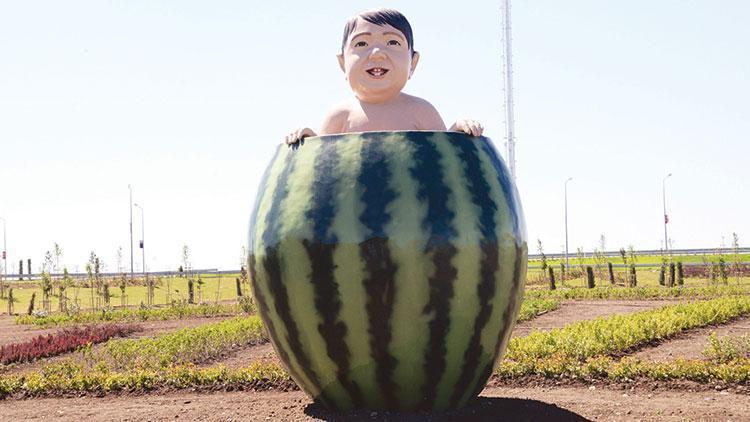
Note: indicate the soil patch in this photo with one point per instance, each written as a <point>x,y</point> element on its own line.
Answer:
<point>566,403</point>
<point>691,344</point>
<point>580,310</point>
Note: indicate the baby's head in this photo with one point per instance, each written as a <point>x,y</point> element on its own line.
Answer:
<point>377,54</point>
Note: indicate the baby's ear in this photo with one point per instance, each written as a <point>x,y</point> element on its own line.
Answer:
<point>341,62</point>
<point>414,61</point>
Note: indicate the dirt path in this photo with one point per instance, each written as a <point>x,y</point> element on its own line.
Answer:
<point>513,404</point>
<point>691,345</point>
<point>580,310</point>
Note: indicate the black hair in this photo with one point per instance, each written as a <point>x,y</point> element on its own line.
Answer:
<point>381,17</point>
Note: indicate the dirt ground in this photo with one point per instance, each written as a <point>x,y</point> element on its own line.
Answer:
<point>580,310</point>
<point>690,345</point>
<point>569,403</point>
<point>517,401</point>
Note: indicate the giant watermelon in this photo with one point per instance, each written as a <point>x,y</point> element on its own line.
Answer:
<point>388,267</point>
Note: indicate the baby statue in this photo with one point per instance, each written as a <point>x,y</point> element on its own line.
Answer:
<point>378,57</point>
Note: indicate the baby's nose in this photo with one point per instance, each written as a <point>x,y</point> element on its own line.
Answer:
<point>377,52</point>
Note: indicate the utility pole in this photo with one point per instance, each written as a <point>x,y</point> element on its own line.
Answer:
<point>508,80</point>
<point>664,204</point>
<point>5,260</point>
<point>143,241</point>
<point>566,223</point>
<point>131,231</point>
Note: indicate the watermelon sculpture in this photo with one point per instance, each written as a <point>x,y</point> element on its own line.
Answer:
<point>388,267</point>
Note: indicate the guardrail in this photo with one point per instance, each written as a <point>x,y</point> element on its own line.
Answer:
<point>648,252</point>
<point>729,264</point>
<point>118,274</point>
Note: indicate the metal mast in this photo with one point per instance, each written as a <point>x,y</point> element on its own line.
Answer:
<point>508,79</point>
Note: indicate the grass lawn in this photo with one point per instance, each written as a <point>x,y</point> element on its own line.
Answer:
<point>647,277</point>
<point>215,287</point>
<point>655,260</point>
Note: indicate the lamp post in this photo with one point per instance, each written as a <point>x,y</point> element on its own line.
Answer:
<point>143,242</point>
<point>5,257</point>
<point>664,204</point>
<point>566,222</point>
<point>130,189</point>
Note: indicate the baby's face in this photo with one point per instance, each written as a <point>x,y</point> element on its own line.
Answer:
<point>377,62</point>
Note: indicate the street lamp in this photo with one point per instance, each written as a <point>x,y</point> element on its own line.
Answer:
<point>143,237</point>
<point>566,222</point>
<point>131,231</point>
<point>664,204</point>
<point>5,253</point>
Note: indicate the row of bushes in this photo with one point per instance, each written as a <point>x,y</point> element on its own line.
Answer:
<point>268,375</point>
<point>188,345</point>
<point>61,342</point>
<point>176,311</point>
<point>66,380</point>
<point>607,367</point>
<point>533,307</point>
<point>618,334</point>
<point>644,293</point>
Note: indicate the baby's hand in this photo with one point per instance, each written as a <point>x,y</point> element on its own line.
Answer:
<point>297,138</point>
<point>467,126</point>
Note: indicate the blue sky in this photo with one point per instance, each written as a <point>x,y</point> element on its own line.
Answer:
<point>187,100</point>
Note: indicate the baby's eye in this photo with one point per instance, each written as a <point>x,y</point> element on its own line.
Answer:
<point>360,44</point>
<point>394,42</point>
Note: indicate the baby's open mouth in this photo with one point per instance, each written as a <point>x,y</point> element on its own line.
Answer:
<point>377,71</point>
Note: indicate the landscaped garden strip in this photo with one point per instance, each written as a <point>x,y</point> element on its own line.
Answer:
<point>587,349</point>
<point>727,348</point>
<point>188,345</point>
<point>620,333</point>
<point>256,375</point>
<point>63,341</point>
<point>134,314</point>
<point>644,293</point>
<point>531,308</point>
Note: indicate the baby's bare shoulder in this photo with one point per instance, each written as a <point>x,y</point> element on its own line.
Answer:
<point>334,120</point>
<point>427,115</point>
<point>417,102</point>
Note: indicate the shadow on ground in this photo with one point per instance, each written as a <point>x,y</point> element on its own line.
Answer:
<point>481,409</point>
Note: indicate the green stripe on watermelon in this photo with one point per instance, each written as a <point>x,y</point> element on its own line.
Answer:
<point>295,226</point>
<point>428,171</point>
<point>406,242</point>
<point>380,269</point>
<point>350,270</point>
<point>506,222</point>
<point>321,249</point>
<point>266,226</point>
<point>464,305</point>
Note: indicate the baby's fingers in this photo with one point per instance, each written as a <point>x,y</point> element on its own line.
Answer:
<point>477,129</point>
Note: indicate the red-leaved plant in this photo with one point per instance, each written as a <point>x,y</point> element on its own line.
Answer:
<point>62,341</point>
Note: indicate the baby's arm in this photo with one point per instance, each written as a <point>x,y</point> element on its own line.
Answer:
<point>467,126</point>
<point>429,119</point>
<point>333,123</point>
